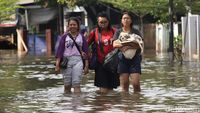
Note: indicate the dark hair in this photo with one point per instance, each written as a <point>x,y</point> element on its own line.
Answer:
<point>104,15</point>
<point>130,15</point>
<point>74,19</point>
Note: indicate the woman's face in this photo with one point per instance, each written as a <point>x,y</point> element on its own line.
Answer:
<point>126,20</point>
<point>73,26</point>
<point>103,22</point>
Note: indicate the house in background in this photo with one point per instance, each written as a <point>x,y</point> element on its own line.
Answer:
<point>32,21</point>
<point>41,26</point>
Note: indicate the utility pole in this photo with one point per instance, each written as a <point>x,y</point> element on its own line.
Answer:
<point>171,32</point>
<point>60,20</point>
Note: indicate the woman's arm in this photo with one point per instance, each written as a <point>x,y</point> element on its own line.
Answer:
<point>86,69</point>
<point>117,44</point>
<point>61,47</point>
<point>85,55</point>
<point>91,37</point>
<point>57,68</point>
<point>132,44</point>
<point>59,53</point>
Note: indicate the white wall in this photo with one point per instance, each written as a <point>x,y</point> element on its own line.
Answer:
<point>76,9</point>
<point>25,1</point>
<point>162,37</point>
<point>191,35</point>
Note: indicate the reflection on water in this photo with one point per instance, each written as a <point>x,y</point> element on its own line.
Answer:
<point>28,85</point>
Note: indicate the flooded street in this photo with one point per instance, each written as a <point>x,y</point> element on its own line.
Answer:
<point>28,85</point>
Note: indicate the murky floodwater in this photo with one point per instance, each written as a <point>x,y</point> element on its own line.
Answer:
<point>28,85</point>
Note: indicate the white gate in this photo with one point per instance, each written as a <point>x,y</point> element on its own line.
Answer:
<point>190,33</point>
<point>162,37</point>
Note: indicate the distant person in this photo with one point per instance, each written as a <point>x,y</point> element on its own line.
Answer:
<point>83,28</point>
<point>67,48</point>
<point>130,43</point>
<point>101,36</point>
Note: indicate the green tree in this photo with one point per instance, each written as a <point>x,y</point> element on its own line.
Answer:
<point>72,3</point>
<point>8,8</point>
<point>139,7</point>
<point>157,8</point>
<point>195,6</point>
<point>47,3</point>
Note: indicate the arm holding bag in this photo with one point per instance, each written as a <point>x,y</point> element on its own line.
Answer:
<point>111,61</point>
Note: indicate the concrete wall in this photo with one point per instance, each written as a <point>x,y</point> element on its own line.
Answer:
<point>150,38</point>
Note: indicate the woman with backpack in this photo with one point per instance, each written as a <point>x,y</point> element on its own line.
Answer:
<point>102,38</point>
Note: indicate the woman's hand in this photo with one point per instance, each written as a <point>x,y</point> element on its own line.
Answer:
<point>117,44</point>
<point>57,68</point>
<point>86,70</point>
<point>84,55</point>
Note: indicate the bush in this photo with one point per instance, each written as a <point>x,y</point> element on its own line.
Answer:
<point>178,48</point>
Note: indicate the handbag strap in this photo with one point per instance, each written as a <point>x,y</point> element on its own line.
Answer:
<point>76,46</point>
<point>99,40</point>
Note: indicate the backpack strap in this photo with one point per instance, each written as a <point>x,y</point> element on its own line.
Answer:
<point>113,32</point>
<point>99,40</point>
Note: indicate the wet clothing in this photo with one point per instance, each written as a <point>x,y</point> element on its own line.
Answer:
<point>103,78</point>
<point>129,65</point>
<point>72,75</point>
